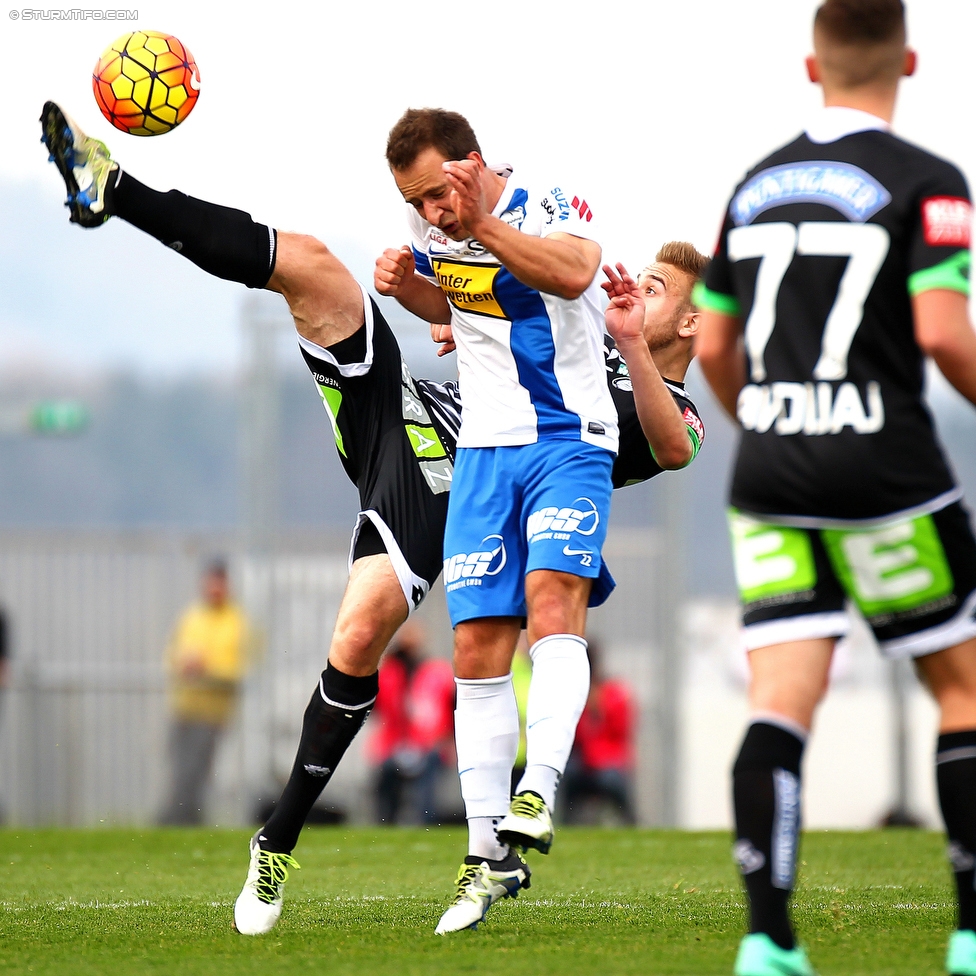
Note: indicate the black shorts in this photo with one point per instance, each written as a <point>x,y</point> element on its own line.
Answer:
<point>912,577</point>
<point>396,438</point>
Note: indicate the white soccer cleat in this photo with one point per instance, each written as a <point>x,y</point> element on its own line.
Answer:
<point>528,823</point>
<point>259,904</point>
<point>480,883</point>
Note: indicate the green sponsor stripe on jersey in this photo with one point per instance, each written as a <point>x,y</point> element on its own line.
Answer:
<point>951,274</point>
<point>425,442</point>
<point>770,559</point>
<point>715,301</point>
<point>890,569</point>
<point>332,400</point>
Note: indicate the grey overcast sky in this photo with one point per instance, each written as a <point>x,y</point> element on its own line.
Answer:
<point>652,109</point>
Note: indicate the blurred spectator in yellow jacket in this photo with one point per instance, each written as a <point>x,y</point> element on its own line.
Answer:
<point>206,661</point>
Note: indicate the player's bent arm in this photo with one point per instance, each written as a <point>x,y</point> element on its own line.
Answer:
<point>560,264</point>
<point>395,276</point>
<point>944,332</point>
<point>424,299</point>
<point>660,417</point>
<point>718,350</point>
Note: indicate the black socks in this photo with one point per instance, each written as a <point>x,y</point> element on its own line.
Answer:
<point>336,712</point>
<point>222,241</point>
<point>766,794</point>
<point>955,768</point>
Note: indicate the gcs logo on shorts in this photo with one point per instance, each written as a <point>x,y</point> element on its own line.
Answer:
<point>468,568</point>
<point>558,523</point>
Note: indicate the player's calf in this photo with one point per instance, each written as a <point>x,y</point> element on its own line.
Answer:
<point>766,795</point>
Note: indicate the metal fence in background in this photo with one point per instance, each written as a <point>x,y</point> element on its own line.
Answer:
<point>83,725</point>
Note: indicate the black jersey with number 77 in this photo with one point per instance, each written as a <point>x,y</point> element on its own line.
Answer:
<point>822,249</point>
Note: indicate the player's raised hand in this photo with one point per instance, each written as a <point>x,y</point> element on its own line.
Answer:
<point>467,200</point>
<point>392,267</point>
<point>625,313</point>
<point>444,334</point>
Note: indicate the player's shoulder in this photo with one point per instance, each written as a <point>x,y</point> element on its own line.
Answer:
<point>554,198</point>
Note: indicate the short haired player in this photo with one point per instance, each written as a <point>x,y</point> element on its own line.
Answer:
<point>395,436</point>
<point>510,262</point>
<point>843,262</point>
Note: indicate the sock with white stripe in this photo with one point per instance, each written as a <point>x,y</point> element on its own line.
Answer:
<point>557,696</point>
<point>336,712</point>
<point>486,731</point>
<point>224,242</point>
<point>955,768</point>
<point>766,796</point>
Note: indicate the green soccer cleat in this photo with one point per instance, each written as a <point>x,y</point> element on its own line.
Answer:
<point>961,957</point>
<point>480,883</point>
<point>84,164</point>
<point>527,824</point>
<point>760,956</point>
<point>259,904</point>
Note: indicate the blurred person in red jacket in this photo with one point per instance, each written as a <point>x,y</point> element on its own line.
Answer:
<point>602,761</point>
<point>414,739</point>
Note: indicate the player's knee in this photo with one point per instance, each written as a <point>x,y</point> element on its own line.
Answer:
<point>358,642</point>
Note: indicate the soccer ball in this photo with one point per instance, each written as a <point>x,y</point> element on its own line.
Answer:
<point>146,83</point>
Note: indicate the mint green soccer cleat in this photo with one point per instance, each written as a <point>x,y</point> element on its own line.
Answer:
<point>760,956</point>
<point>84,164</point>
<point>480,883</point>
<point>527,824</point>
<point>961,957</point>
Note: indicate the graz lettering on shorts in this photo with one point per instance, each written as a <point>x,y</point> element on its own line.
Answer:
<point>773,564</point>
<point>551,522</point>
<point>810,408</point>
<point>468,287</point>
<point>471,568</point>
<point>435,465</point>
<point>892,571</point>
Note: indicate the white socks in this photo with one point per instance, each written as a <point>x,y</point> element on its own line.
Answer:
<point>557,696</point>
<point>486,731</point>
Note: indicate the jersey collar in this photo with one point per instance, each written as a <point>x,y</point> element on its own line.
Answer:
<point>835,121</point>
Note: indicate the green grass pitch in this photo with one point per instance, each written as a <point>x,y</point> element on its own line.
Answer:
<point>604,902</point>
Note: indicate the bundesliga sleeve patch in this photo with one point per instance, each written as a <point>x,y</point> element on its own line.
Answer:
<point>946,221</point>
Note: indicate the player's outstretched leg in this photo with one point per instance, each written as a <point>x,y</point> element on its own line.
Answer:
<point>372,609</point>
<point>222,241</point>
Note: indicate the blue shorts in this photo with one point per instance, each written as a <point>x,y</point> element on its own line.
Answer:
<point>516,509</point>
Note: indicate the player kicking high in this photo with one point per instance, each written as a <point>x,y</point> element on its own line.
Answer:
<point>395,436</point>
<point>511,265</point>
<point>843,262</point>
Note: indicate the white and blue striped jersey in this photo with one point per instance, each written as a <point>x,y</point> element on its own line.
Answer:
<point>530,365</point>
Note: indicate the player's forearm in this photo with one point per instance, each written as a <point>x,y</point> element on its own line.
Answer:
<point>659,416</point>
<point>958,366</point>
<point>424,299</point>
<point>552,266</point>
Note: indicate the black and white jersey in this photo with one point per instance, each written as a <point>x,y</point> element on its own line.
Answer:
<point>635,460</point>
<point>823,246</point>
